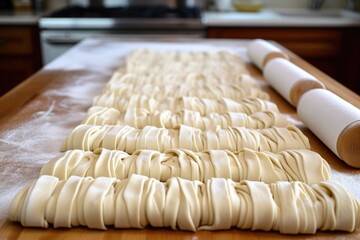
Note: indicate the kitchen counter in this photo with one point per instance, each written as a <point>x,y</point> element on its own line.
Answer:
<point>19,18</point>
<point>283,18</point>
<point>292,17</point>
<point>37,115</point>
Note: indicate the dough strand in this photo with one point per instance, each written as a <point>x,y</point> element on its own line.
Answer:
<point>290,165</point>
<point>216,67</point>
<point>202,105</point>
<point>139,118</point>
<point>128,139</point>
<point>179,89</point>
<point>218,204</point>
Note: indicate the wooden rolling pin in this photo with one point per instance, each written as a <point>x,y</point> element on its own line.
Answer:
<point>289,80</point>
<point>334,121</point>
<point>261,51</point>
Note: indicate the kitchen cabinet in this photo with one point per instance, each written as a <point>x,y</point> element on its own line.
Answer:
<point>333,50</point>
<point>19,54</point>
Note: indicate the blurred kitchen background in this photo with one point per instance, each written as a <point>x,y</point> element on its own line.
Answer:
<point>325,33</point>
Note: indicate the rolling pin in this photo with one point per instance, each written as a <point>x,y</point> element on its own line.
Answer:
<point>261,51</point>
<point>334,121</point>
<point>289,80</point>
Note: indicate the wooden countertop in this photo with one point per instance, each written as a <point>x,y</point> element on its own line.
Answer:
<point>36,117</point>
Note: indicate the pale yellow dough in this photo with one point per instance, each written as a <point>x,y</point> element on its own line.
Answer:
<point>222,66</point>
<point>180,89</point>
<point>139,118</point>
<point>194,79</point>
<point>290,165</point>
<point>287,207</point>
<point>202,105</point>
<point>129,139</point>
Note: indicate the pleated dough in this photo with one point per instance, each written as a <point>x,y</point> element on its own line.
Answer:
<point>193,79</point>
<point>128,139</point>
<point>290,165</point>
<point>222,66</point>
<point>287,207</point>
<point>235,92</point>
<point>203,105</point>
<point>139,118</point>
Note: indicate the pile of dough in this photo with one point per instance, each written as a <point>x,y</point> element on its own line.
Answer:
<point>194,79</point>
<point>291,165</point>
<point>181,90</point>
<point>139,118</point>
<point>287,207</point>
<point>161,57</point>
<point>220,64</point>
<point>129,139</point>
<point>202,105</point>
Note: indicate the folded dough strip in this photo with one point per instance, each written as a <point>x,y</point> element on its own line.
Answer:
<point>218,204</point>
<point>195,85</point>
<point>142,55</point>
<point>290,165</point>
<point>192,79</point>
<point>139,118</point>
<point>219,63</point>
<point>211,73</point>
<point>203,105</point>
<point>128,139</point>
<point>179,90</point>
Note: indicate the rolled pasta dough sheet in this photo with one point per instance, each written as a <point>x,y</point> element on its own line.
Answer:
<point>285,76</point>
<point>260,50</point>
<point>328,115</point>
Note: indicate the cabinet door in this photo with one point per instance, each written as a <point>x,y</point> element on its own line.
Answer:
<point>19,55</point>
<point>13,70</point>
<point>16,40</point>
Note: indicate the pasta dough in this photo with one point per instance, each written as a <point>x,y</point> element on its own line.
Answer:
<point>220,65</point>
<point>139,118</point>
<point>203,105</point>
<point>193,79</point>
<point>128,139</point>
<point>160,91</point>
<point>287,207</point>
<point>290,165</point>
<point>180,90</point>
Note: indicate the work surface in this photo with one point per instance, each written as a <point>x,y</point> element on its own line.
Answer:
<point>38,115</point>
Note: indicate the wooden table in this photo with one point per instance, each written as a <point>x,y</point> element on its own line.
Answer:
<point>38,115</point>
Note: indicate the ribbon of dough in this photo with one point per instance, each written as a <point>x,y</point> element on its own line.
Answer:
<point>196,79</point>
<point>179,90</point>
<point>290,165</point>
<point>220,64</point>
<point>128,139</point>
<point>203,105</point>
<point>190,79</point>
<point>218,204</point>
<point>139,118</point>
